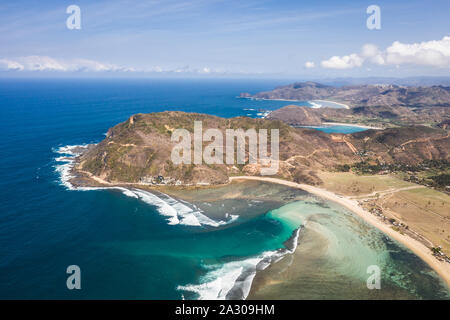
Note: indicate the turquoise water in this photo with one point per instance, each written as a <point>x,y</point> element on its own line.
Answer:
<point>126,245</point>
<point>334,254</point>
<point>338,128</point>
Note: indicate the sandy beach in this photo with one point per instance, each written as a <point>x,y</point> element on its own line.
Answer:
<point>344,106</point>
<point>442,268</point>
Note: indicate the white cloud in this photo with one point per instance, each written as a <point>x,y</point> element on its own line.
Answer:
<point>434,53</point>
<point>44,63</point>
<point>371,53</point>
<point>156,69</point>
<point>182,69</point>
<point>430,53</point>
<point>188,69</point>
<point>41,63</point>
<point>6,64</point>
<point>309,65</point>
<point>205,70</point>
<point>95,66</point>
<point>344,62</point>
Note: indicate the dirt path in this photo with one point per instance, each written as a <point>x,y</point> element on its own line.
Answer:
<point>423,140</point>
<point>344,140</point>
<point>307,156</point>
<point>350,145</point>
<point>384,192</point>
<point>123,144</point>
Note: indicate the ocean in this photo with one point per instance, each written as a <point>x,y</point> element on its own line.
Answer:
<point>130,244</point>
<point>337,128</point>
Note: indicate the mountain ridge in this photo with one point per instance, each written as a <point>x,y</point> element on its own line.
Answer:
<point>139,150</point>
<point>370,95</point>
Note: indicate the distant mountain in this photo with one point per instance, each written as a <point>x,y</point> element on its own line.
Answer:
<point>410,81</point>
<point>361,95</point>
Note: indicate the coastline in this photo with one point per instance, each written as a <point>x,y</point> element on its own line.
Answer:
<point>344,106</point>
<point>442,268</point>
<point>313,102</point>
<point>423,252</point>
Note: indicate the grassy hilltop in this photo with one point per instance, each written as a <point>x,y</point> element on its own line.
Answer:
<point>139,150</point>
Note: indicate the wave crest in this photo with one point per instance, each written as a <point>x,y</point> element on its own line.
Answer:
<point>176,211</point>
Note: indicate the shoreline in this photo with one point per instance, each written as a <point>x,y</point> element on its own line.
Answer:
<point>442,268</point>
<point>313,102</point>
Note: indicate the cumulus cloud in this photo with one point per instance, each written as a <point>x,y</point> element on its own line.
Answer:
<point>309,65</point>
<point>370,52</point>
<point>6,64</point>
<point>432,53</point>
<point>435,53</point>
<point>203,70</point>
<point>42,63</point>
<point>45,63</point>
<point>344,62</point>
<point>156,69</point>
<point>95,66</point>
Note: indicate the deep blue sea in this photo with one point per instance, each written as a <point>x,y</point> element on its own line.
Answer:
<point>124,246</point>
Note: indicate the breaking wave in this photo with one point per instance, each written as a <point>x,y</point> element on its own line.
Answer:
<point>230,280</point>
<point>233,280</point>
<point>176,211</point>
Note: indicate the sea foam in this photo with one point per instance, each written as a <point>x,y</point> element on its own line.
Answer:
<point>233,280</point>
<point>175,211</point>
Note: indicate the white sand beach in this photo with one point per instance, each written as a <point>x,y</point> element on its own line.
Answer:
<point>317,104</point>
<point>442,268</point>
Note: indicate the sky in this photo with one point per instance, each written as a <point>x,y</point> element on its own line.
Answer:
<point>204,38</point>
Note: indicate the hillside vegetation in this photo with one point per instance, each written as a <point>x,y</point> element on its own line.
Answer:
<point>139,150</point>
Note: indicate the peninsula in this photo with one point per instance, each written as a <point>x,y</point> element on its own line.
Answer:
<point>393,178</point>
<point>370,95</point>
